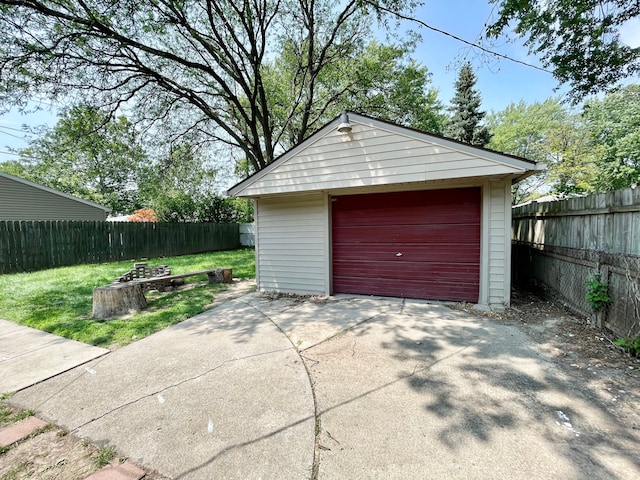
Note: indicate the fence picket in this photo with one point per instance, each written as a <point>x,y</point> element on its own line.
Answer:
<point>561,244</point>
<point>32,246</point>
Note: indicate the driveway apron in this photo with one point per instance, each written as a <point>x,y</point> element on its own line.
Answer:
<point>430,392</point>
<point>222,395</point>
<point>401,389</point>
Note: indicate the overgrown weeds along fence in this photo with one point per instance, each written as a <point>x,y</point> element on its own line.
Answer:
<point>30,246</point>
<point>560,245</point>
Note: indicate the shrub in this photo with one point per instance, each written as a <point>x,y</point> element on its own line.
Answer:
<point>597,293</point>
<point>144,215</point>
<point>631,345</point>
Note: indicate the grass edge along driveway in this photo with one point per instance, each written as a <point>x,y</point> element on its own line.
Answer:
<point>59,300</point>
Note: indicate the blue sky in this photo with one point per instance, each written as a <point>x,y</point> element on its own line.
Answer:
<point>500,81</point>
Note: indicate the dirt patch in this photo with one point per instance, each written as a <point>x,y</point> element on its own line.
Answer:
<point>52,453</point>
<point>599,368</point>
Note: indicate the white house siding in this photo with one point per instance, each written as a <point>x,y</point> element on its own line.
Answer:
<point>499,248</point>
<point>292,244</point>
<point>372,156</point>
<point>20,201</point>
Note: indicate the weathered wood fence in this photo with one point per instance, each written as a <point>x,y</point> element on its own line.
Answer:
<point>561,244</point>
<point>30,246</point>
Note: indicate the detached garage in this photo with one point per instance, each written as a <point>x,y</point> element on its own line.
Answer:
<point>368,207</point>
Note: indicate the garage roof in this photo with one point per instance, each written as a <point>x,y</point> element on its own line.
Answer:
<point>376,153</point>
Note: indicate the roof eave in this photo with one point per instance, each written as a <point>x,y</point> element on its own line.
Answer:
<point>527,166</point>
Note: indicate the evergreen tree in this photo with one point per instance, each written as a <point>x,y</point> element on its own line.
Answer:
<point>465,123</point>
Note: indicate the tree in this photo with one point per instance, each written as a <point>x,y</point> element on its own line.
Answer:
<point>207,207</point>
<point>370,78</point>
<point>201,65</point>
<point>613,123</point>
<point>173,184</point>
<point>143,215</point>
<point>88,156</point>
<point>579,40</point>
<point>545,132</point>
<point>178,168</point>
<point>465,123</point>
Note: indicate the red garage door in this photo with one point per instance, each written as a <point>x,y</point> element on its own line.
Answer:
<point>423,244</point>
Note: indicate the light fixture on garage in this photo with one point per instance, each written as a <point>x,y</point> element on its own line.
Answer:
<point>345,126</point>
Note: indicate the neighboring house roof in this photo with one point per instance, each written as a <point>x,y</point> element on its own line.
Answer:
<point>316,155</point>
<point>119,218</point>
<point>55,192</point>
<point>552,198</point>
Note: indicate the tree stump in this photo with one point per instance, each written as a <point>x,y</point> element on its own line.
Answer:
<point>118,299</point>
<point>221,275</point>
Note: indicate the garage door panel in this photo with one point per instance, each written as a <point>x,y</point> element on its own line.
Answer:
<point>458,196</point>
<point>422,244</point>
<point>422,234</point>
<point>431,272</point>
<point>443,214</point>
<point>414,252</point>
<point>412,289</point>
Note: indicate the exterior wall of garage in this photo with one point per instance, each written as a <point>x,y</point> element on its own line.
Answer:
<point>495,282</point>
<point>293,198</point>
<point>372,156</point>
<point>292,244</point>
<point>293,252</point>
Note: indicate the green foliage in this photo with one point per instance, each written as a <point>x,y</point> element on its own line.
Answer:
<point>466,119</point>
<point>59,301</point>
<point>597,295</point>
<point>200,66</point>
<point>184,169</point>
<point>180,207</point>
<point>88,155</point>
<point>631,345</point>
<point>594,151</point>
<point>362,76</point>
<point>9,416</point>
<point>579,40</point>
<point>180,186</point>
<point>547,133</point>
<point>613,125</point>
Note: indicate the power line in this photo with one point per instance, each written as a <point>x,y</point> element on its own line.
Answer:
<point>4,152</point>
<point>12,135</point>
<point>14,129</point>
<point>455,37</point>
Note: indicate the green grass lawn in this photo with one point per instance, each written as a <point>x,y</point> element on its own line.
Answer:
<point>60,300</point>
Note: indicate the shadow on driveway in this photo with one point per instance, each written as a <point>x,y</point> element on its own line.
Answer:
<point>430,392</point>
<point>348,387</point>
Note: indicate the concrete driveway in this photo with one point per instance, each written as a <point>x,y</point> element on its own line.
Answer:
<point>29,356</point>
<point>344,388</point>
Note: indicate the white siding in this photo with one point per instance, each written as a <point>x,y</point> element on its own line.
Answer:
<point>499,247</point>
<point>291,250</point>
<point>371,156</point>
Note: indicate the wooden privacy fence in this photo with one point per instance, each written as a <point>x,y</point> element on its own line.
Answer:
<point>31,246</point>
<point>561,244</point>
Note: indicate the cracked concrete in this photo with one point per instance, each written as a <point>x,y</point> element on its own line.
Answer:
<point>342,387</point>
<point>200,397</point>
